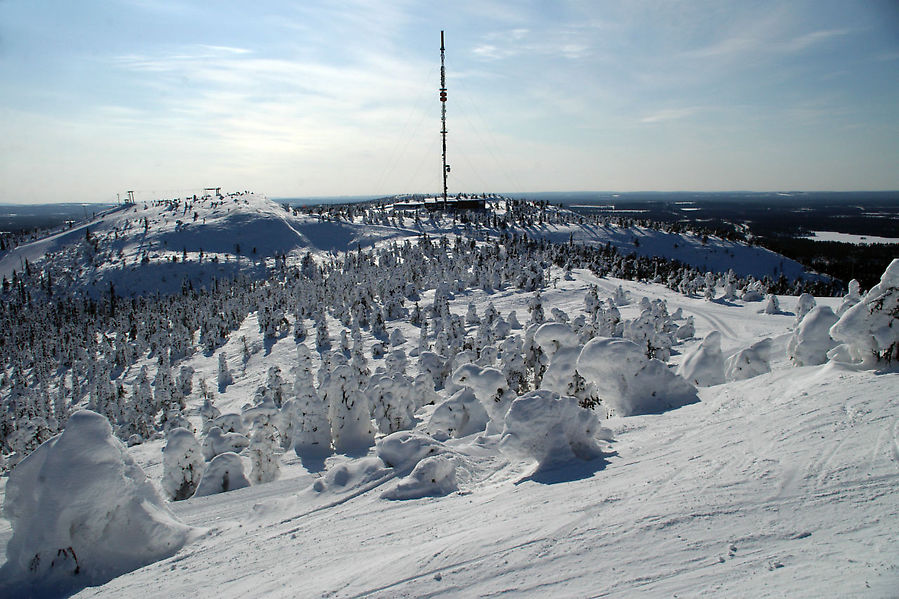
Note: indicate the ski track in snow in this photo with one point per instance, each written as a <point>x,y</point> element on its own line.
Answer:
<point>769,485</point>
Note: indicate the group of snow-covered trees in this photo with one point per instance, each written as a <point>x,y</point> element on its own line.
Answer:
<point>121,356</point>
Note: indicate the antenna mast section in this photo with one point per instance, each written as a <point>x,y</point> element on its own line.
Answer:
<point>446,167</point>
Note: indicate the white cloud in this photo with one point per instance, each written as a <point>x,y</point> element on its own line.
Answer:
<point>669,114</point>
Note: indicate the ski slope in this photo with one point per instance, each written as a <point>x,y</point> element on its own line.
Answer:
<point>783,484</point>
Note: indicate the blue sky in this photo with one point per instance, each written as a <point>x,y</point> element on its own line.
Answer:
<point>339,98</point>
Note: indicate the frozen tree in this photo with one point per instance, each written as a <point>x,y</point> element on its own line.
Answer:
<point>804,306</point>
<point>852,297</point>
<point>621,297</point>
<point>82,511</point>
<point>686,330</point>
<point>141,411</point>
<point>397,338</point>
<point>348,411</point>
<point>183,464</point>
<point>274,387</point>
<point>264,460</point>
<point>308,429</point>
<point>392,403</point>
<point>551,429</point>
<point>627,382</point>
<point>218,442</point>
<point>459,416</point>
<point>704,366</point>
<point>322,338</point>
<point>471,317</point>
<point>869,330</point>
<point>535,308</point>
<point>489,386</point>
<point>749,362</point>
<point>224,375</point>
<point>185,382</point>
<point>811,340</point>
<point>224,473</point>
<point>773,304</point>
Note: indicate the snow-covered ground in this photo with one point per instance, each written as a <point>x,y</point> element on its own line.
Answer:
<point>783,484</point>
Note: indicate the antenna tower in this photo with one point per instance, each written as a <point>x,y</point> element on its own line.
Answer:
<point>446,167</point>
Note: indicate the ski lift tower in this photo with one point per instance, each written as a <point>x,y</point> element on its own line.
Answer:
<point>446,168</point>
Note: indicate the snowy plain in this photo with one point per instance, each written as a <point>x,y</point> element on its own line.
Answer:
<point>783,484</point>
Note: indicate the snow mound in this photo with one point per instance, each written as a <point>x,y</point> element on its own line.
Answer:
<point>459,416</point>
<point>870,328</point>
<point>704,366</point>
<point>224,473</point>
<point>749,362</point>
<point>352,474</point>
<point>434,476</point>
<point>629,383</point>
<point>551,429</point>
<point>405,449</point>
<point>82,513</point>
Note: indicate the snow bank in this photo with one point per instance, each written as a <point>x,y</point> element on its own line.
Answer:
<point>629,383</point>
<point>434,476</point>
<point>704,366</point>
<point>870,329</point>
<point>811,341</point>
<point>550,429</point>
<point>749,362</point>
<point>83,512</point>
<point>224,473</point>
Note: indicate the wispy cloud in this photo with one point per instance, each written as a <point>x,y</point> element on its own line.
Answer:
<point>670,114</point>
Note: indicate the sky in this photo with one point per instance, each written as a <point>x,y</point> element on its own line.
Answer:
<point>320,98</point>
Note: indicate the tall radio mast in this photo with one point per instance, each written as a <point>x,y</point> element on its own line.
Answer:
<point>446,168</point>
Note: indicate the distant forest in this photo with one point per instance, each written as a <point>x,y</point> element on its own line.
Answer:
<point>775,221</point>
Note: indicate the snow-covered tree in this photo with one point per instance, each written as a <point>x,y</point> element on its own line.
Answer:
<point>869,330</point>
<point>183,464</point>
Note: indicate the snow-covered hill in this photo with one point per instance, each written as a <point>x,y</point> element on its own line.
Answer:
<point>159,246</point>
<point>451,464</point>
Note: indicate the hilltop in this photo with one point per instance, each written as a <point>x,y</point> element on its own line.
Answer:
<point>159,246</point>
